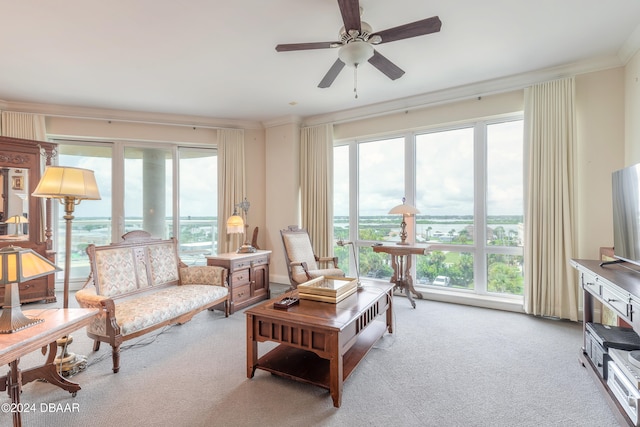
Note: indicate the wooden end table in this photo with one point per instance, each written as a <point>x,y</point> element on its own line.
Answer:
<point>58,322</point>
<point>248,277</point>
<point>401,263</point>
<point>320,343</point>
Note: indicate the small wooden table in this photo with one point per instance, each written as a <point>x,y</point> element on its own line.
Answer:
<point>320,343</point>
<point>58,322</point>
<point>401,263</point>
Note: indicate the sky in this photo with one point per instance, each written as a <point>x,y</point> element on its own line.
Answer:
<point>444,163</point>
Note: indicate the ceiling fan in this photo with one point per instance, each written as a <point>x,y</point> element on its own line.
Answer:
<point>357,39</point>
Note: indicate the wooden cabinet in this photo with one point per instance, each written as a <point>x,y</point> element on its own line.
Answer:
<point>248,276</point>
<point>611,297</point>
<point>26,219</point>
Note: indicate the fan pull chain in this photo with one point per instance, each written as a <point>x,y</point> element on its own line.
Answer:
<point>355,80</point>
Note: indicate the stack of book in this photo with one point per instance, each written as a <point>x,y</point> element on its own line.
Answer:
<point>327,289</point>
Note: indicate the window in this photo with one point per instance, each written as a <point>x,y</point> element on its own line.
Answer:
<point>156,188</point>
<point>467,182</point>
<point>92,218</point>
<point>198,204</point>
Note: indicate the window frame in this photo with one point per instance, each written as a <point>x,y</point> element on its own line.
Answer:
<point>480,249</point>
<point>118,147</point>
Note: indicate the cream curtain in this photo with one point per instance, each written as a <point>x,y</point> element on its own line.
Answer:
<point>551,284</point>
<point>316,186</point>
<point>23,125</point>
<point>231,184</point>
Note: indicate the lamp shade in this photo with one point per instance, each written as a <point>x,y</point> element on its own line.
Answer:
<point>404,209</point>
<point>17,219</point>
<point>235,224</point>
<point>18,265</point>
<point>59,182</point>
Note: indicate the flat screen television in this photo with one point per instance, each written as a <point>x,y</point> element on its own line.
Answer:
<point>626,214</point>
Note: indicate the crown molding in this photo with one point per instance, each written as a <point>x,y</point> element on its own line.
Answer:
<point>281,121</point>
<point>52,110</point>
<point>459,93</point>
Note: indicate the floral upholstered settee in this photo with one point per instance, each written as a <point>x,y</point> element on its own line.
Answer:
<point>140,285</point>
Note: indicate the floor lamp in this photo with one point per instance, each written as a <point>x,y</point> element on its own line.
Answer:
<point>70,186</point>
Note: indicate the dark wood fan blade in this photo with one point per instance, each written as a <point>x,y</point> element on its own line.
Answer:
<point>350,11</point>
<point>414,29</point>
<point>390,69</point>
<point>331,75</point>
<point>305,46</point>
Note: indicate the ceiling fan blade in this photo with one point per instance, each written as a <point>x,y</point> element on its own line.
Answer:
<point>350,11</point>
<point>390,69</point>
<point>413,29</point>
<point>331,74</point>
<point>305,46</point>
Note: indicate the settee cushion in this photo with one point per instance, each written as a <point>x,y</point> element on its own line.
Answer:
<point>145,310</point>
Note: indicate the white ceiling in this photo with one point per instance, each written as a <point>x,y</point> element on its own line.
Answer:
<point>214,58</point>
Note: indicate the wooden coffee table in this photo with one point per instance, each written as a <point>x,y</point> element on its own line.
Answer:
<point>320,343</point>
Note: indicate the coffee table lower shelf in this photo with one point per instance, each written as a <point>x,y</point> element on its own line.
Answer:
<point>307,367</point>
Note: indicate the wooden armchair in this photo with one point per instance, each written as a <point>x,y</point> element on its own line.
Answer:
<point>302,264</point>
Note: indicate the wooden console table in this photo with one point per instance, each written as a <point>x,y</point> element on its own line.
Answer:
<point>616,287</point>
<point>320,343</point>
<point>58,322</point>
<point>401,256</point>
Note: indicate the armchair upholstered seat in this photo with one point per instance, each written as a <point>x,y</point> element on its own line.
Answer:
<point>302,264</point>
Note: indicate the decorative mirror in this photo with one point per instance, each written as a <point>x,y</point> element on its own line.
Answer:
<point>14,209</point>
<point>25,221</point>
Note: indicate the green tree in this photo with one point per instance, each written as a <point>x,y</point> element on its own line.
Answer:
<point>504,278</point>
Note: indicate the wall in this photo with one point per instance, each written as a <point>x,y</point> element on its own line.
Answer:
<point>282,191</point>
<point>600,151</point>
<point>487,106</point>
<point>632,111</point>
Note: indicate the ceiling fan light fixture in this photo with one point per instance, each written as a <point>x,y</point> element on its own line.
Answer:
<point>355,53</point>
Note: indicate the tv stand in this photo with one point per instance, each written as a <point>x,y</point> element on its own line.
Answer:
<point>616,288</point>
<point>615,261</point>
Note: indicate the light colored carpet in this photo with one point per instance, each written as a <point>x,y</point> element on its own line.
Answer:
<point>445,365</point>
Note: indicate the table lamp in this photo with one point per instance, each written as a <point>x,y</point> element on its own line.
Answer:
<point>70,186</point>
<point>18,220</point>
<point>405,210</point>
<point>18,265</point>
<point>236,225</point>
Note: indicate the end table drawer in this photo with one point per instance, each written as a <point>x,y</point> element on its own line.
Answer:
<point>263,260</point>
<point>240,278</point>
<point>240,293</point>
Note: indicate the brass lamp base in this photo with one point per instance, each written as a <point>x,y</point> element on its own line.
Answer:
<point>68,364</point>
<point>403,234</point>
<point>12,318</point>
<point>246,249</point>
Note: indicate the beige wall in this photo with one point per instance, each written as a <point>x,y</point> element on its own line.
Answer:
<point>632,111</point>
<point>600,151</point>
<point>487,106</point>
<point>282,192</point>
